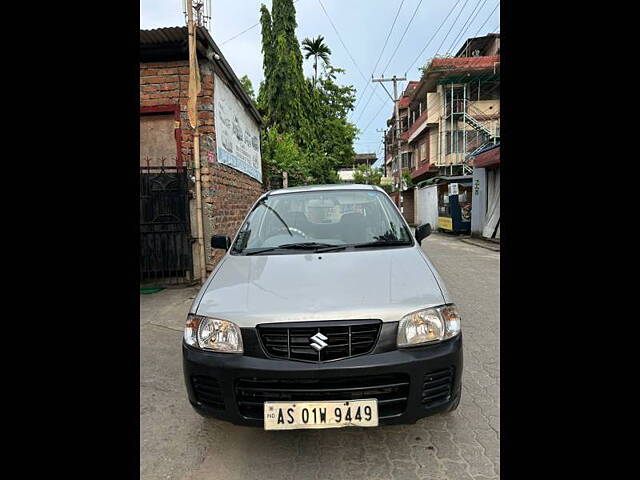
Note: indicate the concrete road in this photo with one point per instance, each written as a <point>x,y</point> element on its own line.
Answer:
<point>176,443</point>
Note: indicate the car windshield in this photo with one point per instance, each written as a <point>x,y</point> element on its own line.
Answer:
<point>322,220</point>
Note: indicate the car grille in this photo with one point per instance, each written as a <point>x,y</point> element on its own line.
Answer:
<point>344,340</point>
<point>208,392</point>
<point>390,390</point>
<point>437,387</point>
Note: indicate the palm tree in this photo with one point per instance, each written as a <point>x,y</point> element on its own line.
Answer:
<point>318,49</point>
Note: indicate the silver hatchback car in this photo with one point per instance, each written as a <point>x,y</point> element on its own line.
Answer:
<point>325,312</point>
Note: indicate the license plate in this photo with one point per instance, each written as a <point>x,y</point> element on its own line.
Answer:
<point>333,414</point>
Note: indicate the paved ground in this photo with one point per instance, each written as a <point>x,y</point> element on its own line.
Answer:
<point>176,443</point>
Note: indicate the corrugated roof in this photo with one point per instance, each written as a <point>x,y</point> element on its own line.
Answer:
<point>177,37</point>
<point>163,36</point>
<point>487,158</point>
<point>365,156</point>
<point>463,63</point>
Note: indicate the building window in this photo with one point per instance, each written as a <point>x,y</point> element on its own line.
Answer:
<point>423,150</point>
<point>406,160</point>
<point>158,141</point>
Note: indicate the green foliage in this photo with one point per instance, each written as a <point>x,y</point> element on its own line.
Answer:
<point>316,48</point>
<point>329,106</point>
<point>311,113</point>
<point>408,181</point>
<point>367,175</point>
<point>283,95</point>
<point>284,155</point>
<point>248,87</point>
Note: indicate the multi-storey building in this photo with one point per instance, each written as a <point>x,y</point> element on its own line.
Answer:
<point>452,112</point>
<point>391,138</point>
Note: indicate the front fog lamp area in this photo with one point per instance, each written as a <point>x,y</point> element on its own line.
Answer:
<point>213,334</point>
<point>428,326</point>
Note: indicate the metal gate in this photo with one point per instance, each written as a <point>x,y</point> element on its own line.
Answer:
<point>165,231</point>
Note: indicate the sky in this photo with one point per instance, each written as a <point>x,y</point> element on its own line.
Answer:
<point>363,26</point>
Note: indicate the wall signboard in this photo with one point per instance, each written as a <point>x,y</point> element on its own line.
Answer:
<point>237,134</point>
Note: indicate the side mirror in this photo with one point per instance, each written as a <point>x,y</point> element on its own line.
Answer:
<point>220,241</point>
<point>422,232</point>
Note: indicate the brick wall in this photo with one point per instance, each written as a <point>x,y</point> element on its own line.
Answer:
<point>233,194</point>
<point>407,206</point>
<point>228,194</point>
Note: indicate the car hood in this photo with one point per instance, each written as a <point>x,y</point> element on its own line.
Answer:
<point>383,284</point>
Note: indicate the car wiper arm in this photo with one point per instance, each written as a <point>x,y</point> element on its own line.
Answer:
<point>382,243</point>
<point>331,248</point>
<point>278,216</point>
<point>316,246</point>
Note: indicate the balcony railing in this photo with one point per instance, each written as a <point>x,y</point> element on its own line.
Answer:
<point>457,106</point>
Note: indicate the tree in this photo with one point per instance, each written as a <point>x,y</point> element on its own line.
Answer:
<point>285,94</point>
<point>332,133</point>
<point>367,175</point>
<point>318,49</point>
<point>283,155</point>
<point>248,87</point>
<point>310,114</point>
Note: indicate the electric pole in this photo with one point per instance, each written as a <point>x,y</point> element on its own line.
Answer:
<point>384,156</point>
<point>192,113</point>
<point>396,101</point>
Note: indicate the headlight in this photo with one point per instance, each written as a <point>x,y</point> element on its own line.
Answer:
<point>429,326</point>
<point>213,334</point>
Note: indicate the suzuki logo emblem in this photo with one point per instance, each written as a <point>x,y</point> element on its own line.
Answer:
<point>318,341</point>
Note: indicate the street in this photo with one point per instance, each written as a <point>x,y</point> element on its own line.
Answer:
<point>177,443</point>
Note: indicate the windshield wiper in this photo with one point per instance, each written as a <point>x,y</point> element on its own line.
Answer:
<point>315,246</point>
<point>382,243</point>
<point>277,215</point>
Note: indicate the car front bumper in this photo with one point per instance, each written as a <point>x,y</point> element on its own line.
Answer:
<point>409,383</point>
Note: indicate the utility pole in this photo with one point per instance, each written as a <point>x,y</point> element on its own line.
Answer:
<point>192,110</point>
<point>396,101</point>
<point>384,156</point>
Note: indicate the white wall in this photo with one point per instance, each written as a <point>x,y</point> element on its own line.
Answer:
<point>426,205</point>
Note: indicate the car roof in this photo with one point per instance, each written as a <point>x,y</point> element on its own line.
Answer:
<point>315,188</point>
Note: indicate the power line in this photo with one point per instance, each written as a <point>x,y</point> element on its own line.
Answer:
<point>402,38</point>
<point>246,30</point>
<point>441,24</point>
<point>490,15</point>
<point>467,24</point>
<point>342,42</point>
<point>367,83</point>
<point>366,104</point>
<point>374,117</point>
<point>434,35</point>
<point>444,39</point>
<point>451,27</point>
<point>471,64</point>
<point>415,11</point>
<point>387,39</point>
<point>241,33</point>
